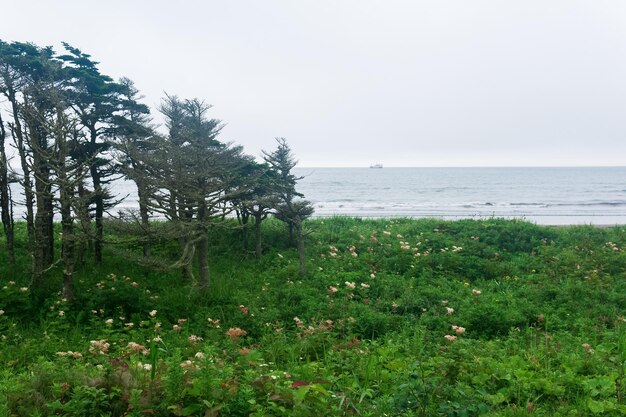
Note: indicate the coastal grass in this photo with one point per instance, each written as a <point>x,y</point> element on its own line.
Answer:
<point>397,317</point>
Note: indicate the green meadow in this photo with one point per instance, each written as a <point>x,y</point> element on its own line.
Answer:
<point>397,317</point>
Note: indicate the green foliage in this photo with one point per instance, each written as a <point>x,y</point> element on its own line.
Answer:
<point>395,317</point>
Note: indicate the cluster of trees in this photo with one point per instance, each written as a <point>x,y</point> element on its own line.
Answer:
<point>67,131</point>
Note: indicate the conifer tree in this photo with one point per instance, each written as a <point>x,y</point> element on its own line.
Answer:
<point>291,208</point>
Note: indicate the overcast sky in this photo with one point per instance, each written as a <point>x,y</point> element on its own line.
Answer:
<point>354,82</point>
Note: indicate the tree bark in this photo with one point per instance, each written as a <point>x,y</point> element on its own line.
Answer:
<point>68,241</point>
<point>84,245</point>
<point>44,239</point>
<point>5,200</point>
<point>98,197</point>
<point>258,242</point>
<point>203,250</point>
<point>18,138</point>
<point>244,218</point>
<point>145,218</point>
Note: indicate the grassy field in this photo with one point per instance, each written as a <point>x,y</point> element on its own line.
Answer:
<point>395,317</point>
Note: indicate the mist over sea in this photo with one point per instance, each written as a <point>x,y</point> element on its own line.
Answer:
<point>551,196</point>
<point>554,196</point>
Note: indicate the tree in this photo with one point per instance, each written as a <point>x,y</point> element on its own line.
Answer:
<point>291,209</point>
<point>96,99</point>
<point>254,196</point>
<point>132,136</point>
<point>39,88</point>
<point>68,173</point>
<point>190,173</point>
<point>31,77</point>
<point>22,67</point>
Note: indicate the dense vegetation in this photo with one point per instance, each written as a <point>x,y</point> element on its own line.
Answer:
<point>67,132</point>
<point>393,317</point>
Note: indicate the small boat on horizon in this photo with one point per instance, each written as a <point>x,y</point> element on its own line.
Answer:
<point>377,166</point>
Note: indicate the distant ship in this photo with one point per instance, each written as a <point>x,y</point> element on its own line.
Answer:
<point>377,166</point>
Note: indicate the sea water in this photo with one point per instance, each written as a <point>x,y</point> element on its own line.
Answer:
<point>542,195</point>
<point>554,196</point>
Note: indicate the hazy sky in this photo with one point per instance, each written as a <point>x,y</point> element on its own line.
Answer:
<point>354,82</point>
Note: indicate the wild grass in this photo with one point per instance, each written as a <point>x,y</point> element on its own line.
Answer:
<point>395,317</point>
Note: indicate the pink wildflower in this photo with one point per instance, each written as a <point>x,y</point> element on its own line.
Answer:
<point>235,333</point>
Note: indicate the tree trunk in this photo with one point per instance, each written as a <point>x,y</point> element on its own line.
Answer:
<point>290,228</point>
<point>145,219</point>
<point>258,243</point>
<point>68,240</point>
<point>44,215</point>
<point>244,219</point>
<point>96,178</point>
<point>5,200</point>
<point>44,248</point>
<point>18,138</point>
<point>203,250</point>
<point>84,245</point>
<point>99,213</point>
<point>187,252</point>
<point>203,263</point>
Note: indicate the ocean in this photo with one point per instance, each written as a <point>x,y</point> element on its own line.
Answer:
<point>550,196</point>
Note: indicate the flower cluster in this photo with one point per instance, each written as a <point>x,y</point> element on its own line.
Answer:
<point>136,347</point>
<point>215,323</point>
<point>235,333</point>
<point>323,325</point>
<point>75,355</point>
<point>612,246</point>
<point>99,347</point>
<point>458,329</point>
<point>144,366</point>
<point>587,348</point>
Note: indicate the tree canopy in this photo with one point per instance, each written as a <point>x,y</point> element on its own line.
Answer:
<point>76,131</point>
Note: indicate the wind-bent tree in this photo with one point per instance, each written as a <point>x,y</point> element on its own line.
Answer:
<point>68,174</point>
<point>191,172</point>
<point>12,57</point>
<point>23,69</point>
<point>254,197</point>
<point>96,99</point>
<point>60,112</point>
<point>132,135</point>
<point>292,208</point>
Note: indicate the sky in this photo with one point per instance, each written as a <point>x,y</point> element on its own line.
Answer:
<point>356,82</point>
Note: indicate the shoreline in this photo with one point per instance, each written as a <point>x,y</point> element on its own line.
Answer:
<point>565,220</point>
